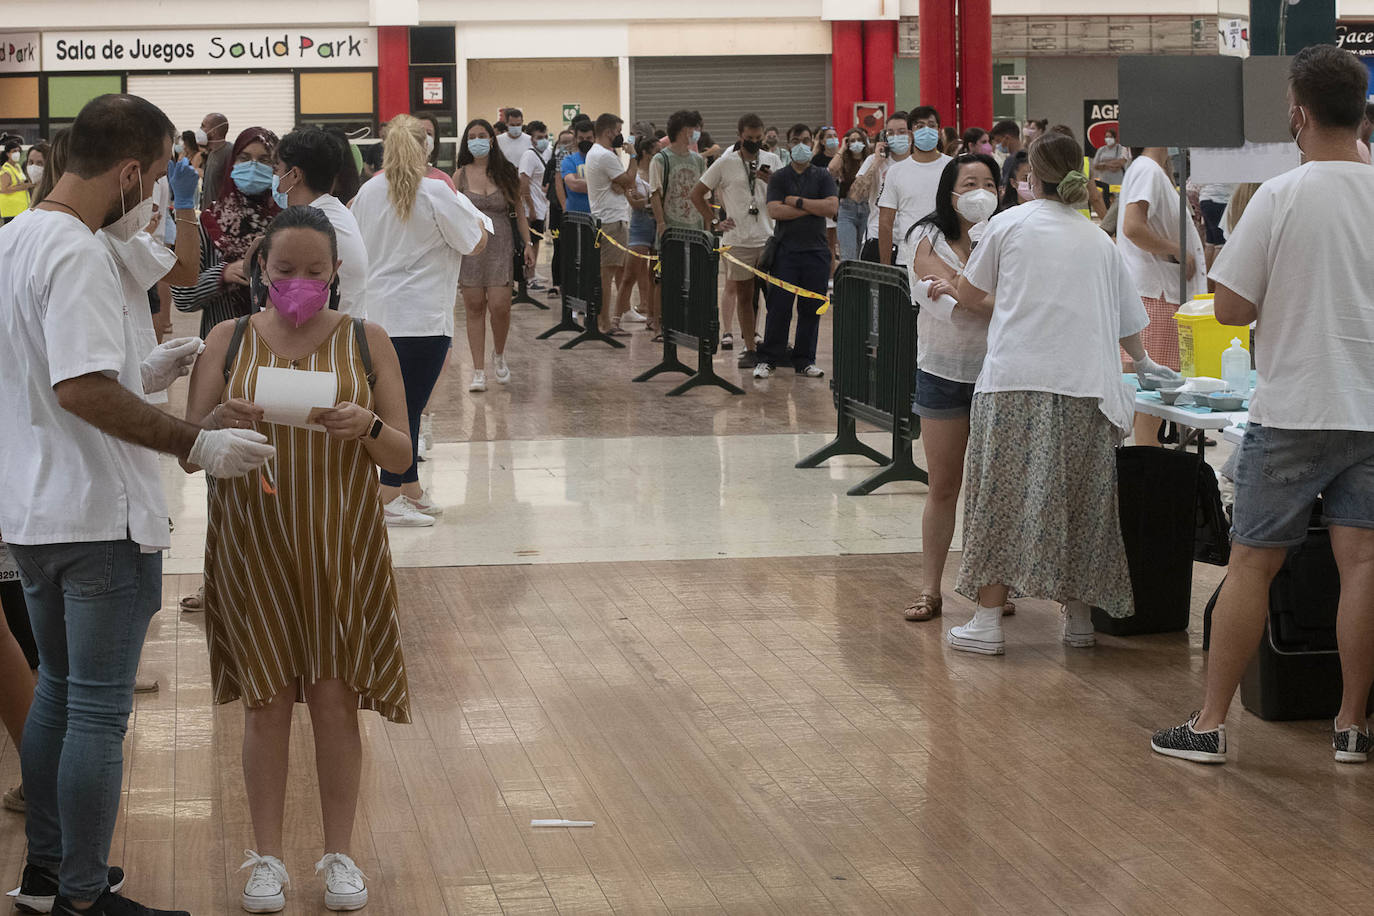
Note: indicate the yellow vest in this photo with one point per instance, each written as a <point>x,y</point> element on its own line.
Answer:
<point>13,203</point>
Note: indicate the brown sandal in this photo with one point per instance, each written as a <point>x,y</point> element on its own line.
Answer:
<point>926,607</point>
<point>1009,609</point>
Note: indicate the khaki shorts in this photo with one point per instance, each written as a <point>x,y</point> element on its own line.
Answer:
<point>612,256</point>
<point>749,256</point>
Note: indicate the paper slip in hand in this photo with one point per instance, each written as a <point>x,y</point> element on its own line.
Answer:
<point>295,397</point>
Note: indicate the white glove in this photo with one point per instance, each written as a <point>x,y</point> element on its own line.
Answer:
<point>1145,366</point>
<point>228,453</point>
<point>168,362</point>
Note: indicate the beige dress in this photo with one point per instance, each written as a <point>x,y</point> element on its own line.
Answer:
<point>299,585</point>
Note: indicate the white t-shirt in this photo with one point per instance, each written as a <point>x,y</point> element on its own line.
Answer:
<point>63,314</point>
<point>909,189</point>
<point>532,164</point>
<point>608,205</point>
<point>728,179</point>
<point>513,148</point>
<point>141,262</point>
<point>1157,277</point>
<point>1064,300</point>
<point>950,345</point>
<point>352,255</point>
<point>1300,253</point>
<point>412,271</point>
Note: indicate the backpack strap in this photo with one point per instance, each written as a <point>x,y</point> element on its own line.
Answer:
<point>662,155</point>
<point>240,325</point>
<point>364,353</point>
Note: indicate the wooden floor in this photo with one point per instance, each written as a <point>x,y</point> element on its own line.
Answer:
<point>752,736</point>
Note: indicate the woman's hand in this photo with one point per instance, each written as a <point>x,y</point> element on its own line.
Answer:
<point>233,273</point>
<point>235,413</point>
<point>529,257</point>
<point>347,421</point>
<point>938,287</point>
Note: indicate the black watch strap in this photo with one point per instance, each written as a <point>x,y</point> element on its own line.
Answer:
<point>376,429</point>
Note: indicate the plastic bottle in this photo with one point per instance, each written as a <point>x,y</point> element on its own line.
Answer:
<point>1235,367</point>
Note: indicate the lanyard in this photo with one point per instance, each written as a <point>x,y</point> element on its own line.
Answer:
<point>750,175</point>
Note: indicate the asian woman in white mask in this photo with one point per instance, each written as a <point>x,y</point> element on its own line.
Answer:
<point>951,344</point>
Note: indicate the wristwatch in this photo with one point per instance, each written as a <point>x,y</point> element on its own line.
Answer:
<point>375,429</point>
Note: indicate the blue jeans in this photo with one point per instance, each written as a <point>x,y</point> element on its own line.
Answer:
<point>422,361</point>
<point>89,605</point>
<point>852,227</point>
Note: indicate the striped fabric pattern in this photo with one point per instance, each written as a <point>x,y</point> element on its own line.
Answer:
<point>208,296</point>
<point>299,585</point>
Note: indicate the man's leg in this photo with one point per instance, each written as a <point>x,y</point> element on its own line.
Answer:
<point>742,299</point>
<point>811,271</point>
<point>778,321</point>
<point>1354,549</point>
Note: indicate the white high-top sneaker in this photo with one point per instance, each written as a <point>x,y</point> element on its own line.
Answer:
<point>264,891</point>
<point>981,635</point>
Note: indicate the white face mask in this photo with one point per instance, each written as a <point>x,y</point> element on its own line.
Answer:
<point>16,155</point>
<point>201,137</point>
<point>977,205</point>
<point>429,144</point>
<point>128,225</point>
<point>1109,142</point>
<point>146,261</point>
<point>35,173</point>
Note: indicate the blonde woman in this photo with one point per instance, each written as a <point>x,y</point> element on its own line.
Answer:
<point>1049,407</point>
<point>416,232</point>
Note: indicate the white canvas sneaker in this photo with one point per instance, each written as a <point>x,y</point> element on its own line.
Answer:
<point>981,635</point>
<point>264,891</point>
<point>425,504</point>
<point>1078,626</point>
<point>344,883</point>
<point>399,513</point>
<point>479,381</point>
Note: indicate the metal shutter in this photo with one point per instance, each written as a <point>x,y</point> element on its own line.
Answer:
<point>246,99</point>
<point>781,89</point>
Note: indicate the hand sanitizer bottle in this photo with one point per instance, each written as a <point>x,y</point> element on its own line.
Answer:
<point>1235,367</point>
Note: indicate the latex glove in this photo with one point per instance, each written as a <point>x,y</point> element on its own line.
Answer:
<point>183,181</point>
<point>168,362</point>
<point>228,453</point>
<point>1145,366</point>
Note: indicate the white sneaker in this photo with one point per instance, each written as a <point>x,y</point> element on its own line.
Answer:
<point>425,505</point>
<point>634,314</point>
<point>502,370</point>
<point>344,887</point>
<point>479,381</point>
<point>812,371</point>
<point>399,513</point>
<point>426,431</point>
<point>1078,626</point>
<point>981,635</point>
<point>763,370</point>
<point>263,893</point>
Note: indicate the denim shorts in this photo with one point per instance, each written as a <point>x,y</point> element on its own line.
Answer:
<point>938,398</point>
<point>643,230</point>
<point>1281,472</point>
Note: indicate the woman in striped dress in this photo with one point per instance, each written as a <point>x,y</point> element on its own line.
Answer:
<point>229,228</point>
<point>300,599</point>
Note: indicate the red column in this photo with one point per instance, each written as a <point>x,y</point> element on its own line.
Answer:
<point>393,71</point>
<point>846,72</point>
<point>938,62</point>
<point>975,63</point>
<point>880,49</point>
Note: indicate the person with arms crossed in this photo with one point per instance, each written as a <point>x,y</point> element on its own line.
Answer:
<point>1298,263</point>
<point>800,199</point>
<point>608,180</point>
<point>72,380</point>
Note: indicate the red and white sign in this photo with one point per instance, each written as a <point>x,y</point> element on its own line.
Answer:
<point>432,90</point>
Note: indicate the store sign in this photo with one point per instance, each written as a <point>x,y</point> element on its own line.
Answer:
<point>1356,36</point>
<point>432,90</point>
<point>19,52</point>
<point>210,49</point>
<point>1100,116</point>
<point>1233,37</point>
<point>1014,84</point>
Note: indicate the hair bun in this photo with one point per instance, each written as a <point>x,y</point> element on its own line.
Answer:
<point>1073,188</point>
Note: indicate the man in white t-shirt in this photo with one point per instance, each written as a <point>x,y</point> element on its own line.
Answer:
<point>1298,263</point>
<point>514,141</point>
<point>894,147</point>
<point>532,166</point>
<point>909,192</point>
<point>308,160</point>
<point>608,179</point>
<point>739,181</point>
<point>84,515</point>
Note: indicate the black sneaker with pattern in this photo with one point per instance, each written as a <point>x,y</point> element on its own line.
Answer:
<point>1350,744</point>
<point>1183,742</point>
<point>38,888</point>
<point>110,904</point>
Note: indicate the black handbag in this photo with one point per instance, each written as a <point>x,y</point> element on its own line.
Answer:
<point>769,255</point>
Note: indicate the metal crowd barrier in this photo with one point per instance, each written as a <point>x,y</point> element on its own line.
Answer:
<point>581,281</point>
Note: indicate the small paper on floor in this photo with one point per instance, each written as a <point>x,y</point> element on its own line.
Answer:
<point>560,822</point>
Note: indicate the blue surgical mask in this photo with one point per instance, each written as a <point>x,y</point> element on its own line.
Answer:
<point>479,147</point>
<point>696,135</point>
<point>279,195</point>
<point>801,153</point>
<point>514,130</point>
<point>856,147</point>
<point>900,144</point>
<point>252,177</point>
<point>926,138</point>
<point>832,144</point>
<point>541,144</point>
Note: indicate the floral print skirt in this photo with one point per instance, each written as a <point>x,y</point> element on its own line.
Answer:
<point>1040,506</point>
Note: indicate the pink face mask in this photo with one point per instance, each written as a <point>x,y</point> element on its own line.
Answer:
<point>1024,191</point>
<point>985,149</point>
<point>299,298</point>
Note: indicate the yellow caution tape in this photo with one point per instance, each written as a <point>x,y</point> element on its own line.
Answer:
<point>781,284</point>
<point>601,234</point>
